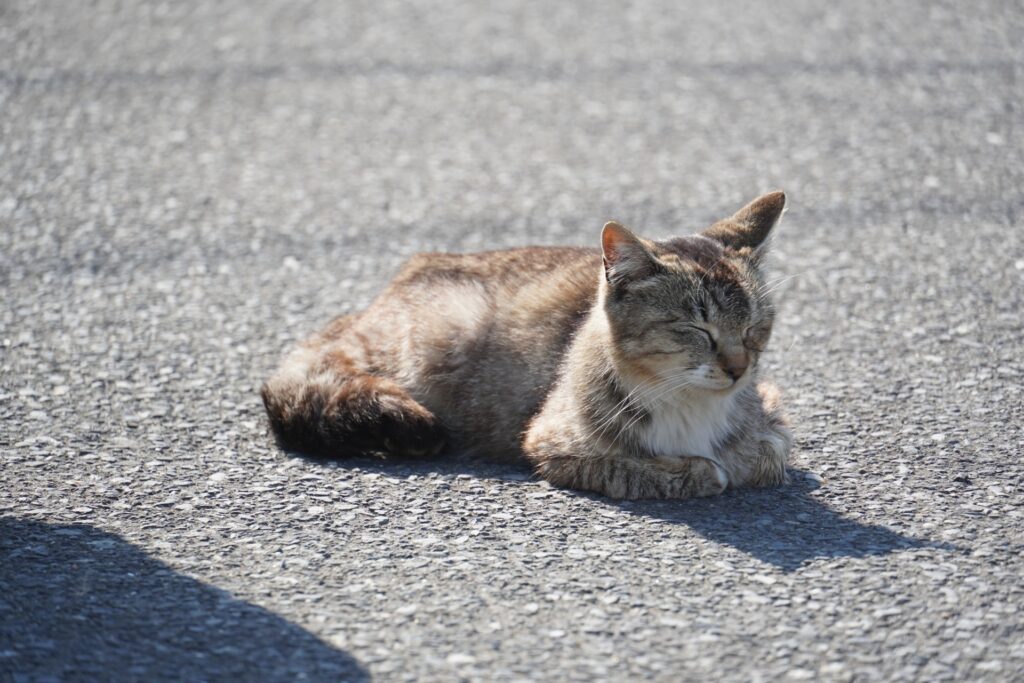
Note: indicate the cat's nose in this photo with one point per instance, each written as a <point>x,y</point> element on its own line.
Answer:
<point>735,365</point>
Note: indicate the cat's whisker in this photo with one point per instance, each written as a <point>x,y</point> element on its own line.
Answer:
<point>675,387</point>
<point>622,405</point>
<point>635,395</point>
<point>628,426</point>
<point>629,401</point>
<point>769,288</point>
<point>796,338</point>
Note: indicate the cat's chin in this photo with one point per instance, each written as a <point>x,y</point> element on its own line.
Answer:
<point>742,382</point>
<point>710,387</point>
<point>719,389</point>
<point>724,387</point>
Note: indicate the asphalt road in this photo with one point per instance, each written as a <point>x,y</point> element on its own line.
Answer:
<point>187,188</point>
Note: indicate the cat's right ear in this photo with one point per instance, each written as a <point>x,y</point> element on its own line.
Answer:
<point>626,259</point>
<point>748,230</point>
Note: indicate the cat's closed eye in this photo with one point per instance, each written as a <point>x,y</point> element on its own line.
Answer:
<point>710,337</point>
<point>692,333</point>
<point>755,337</point>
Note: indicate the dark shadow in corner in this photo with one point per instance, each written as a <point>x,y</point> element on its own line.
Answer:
<point>77,603</point>
<point>784,526</point>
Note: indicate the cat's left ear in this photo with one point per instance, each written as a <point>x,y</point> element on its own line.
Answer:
<point>749,228</point>
<point>626,258</point>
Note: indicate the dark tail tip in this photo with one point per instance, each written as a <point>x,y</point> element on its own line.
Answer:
<point>350,419</point>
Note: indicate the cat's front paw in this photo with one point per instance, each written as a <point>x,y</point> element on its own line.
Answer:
<point>697,477</point>
<point>774,447</point>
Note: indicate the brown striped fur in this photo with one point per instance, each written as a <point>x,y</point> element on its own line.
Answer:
<point>629,370</point>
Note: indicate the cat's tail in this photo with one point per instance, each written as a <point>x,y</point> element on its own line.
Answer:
<point>321,405</point>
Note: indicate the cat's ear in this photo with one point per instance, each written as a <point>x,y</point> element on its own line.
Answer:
<point>626,259</point>
<point>750,227</point>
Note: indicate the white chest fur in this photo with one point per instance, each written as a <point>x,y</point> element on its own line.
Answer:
<point>688,425</point>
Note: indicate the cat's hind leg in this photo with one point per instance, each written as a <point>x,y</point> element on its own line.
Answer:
<point>321,404</point>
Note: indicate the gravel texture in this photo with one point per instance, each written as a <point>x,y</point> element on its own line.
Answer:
<point>187,188</point>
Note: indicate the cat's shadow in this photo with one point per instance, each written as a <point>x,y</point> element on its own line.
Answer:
<point>786,526</point>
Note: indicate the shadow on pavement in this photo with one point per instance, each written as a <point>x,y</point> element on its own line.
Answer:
<point>784,526</point>
<point>77,603</point>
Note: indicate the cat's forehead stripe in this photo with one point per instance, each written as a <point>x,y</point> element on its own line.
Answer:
<point>708,262</point>
<point>695,248</point>
<point>728,295</point>
<point>725,283</point>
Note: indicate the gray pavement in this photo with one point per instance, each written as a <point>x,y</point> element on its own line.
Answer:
<point>187,188</point>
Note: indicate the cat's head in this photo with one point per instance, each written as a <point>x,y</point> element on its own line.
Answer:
<point>692,312</point>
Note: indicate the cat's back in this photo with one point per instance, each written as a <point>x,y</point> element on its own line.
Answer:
<point>497,269</point>
<point>486,331</point>
<point>513,294</point>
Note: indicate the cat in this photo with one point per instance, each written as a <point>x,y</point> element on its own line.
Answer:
<point>629,370</point>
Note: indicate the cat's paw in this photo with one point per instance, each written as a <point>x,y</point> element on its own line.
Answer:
<point>774,447</point>
<point>628,478</point>
<point>706,478</point>
<point>682,477</point>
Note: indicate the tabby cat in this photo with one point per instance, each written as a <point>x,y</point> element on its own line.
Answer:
<point>630,370</point>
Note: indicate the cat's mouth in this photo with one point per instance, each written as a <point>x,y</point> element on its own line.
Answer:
<point>697,382</point>
<point>722,383</point>
<point>738,383</point>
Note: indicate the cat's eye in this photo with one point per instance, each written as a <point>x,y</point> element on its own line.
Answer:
<point>711,339</point>
<point>707,333</point>
<point>756,336</point>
